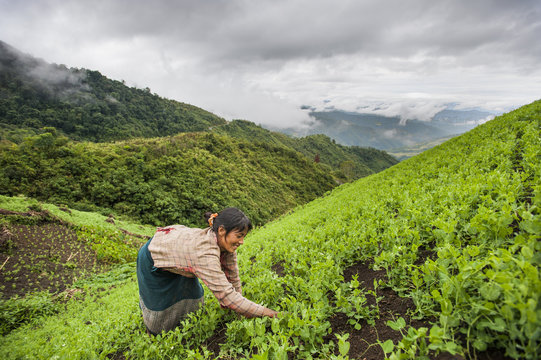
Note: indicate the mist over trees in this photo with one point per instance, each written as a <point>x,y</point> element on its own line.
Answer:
<point>84,104</point>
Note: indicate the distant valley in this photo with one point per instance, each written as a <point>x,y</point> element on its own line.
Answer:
<point>388,133</point>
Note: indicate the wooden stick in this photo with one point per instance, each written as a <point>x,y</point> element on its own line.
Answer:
<point>71,254</point>
<point>1,267</point>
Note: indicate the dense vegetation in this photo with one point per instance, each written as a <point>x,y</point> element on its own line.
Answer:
<point>347,162</point>
<point>456,228</point>
<point>163,180</point>
<point>84,104</point>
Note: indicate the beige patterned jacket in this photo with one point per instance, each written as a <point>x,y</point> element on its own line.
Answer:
<point>195,252</point>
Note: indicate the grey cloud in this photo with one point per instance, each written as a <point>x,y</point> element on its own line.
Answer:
<point>417,55</point>
<point>306,28</point>
<point>239,31</point>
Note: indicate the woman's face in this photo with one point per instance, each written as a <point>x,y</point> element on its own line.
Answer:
<point>232,240</point>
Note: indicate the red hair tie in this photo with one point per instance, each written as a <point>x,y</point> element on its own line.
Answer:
<point>211,219</point>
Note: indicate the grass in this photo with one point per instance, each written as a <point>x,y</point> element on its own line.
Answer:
<point>74,217</point>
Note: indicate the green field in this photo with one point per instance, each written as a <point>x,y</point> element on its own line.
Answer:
<point>407,152</point>
<point>455,230</point>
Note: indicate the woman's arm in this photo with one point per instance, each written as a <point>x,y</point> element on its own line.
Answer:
<point>209,270</point>
<point>230,267</point>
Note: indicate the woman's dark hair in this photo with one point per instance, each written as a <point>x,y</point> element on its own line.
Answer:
<point>231,219</point>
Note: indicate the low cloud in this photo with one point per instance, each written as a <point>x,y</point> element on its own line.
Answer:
<point>479,122</point>
<point>422,111</point>
<point>57,80</point>
<point>389,134</point>
<point>414,109</point>
<point>259,108</point>
<point>56,75</point>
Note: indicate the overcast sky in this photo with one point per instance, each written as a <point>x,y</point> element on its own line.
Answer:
<point>262,60</point>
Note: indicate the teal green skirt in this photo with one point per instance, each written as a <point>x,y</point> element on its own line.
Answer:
<point>160,289</point>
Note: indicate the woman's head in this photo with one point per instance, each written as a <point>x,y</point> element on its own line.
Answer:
<point>230,227</point>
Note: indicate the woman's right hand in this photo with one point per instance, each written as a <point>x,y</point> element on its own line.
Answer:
<point>270,313</point>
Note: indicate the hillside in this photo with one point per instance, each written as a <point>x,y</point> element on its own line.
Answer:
<point>162,180</point>
<point>84,104</point>
<point>347,162</point>
<point>454,231</point>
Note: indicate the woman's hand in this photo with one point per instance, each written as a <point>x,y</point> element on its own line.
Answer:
<point>270,313</point>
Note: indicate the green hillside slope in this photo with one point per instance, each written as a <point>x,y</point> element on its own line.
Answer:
<point>456,231</point>
<point>456,228</point>
<point>347,162</point>
<point>84,104</point>
<point>162,180</point>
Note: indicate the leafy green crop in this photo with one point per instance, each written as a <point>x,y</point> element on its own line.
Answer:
<point>14,312</point>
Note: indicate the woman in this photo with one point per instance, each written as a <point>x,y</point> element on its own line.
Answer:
<point>171,262</point>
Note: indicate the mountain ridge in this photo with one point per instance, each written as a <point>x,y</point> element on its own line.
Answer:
<point>84,104</point>
<point>348,162</point>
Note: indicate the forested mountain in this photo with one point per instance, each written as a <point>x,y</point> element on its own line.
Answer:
<point>163,180</point>
<point>84,104</point>
<point>348,162</point>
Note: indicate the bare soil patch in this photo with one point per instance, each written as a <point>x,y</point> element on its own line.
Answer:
<point>363,342</point>
<point>278,268</point>
<point>46,256</point>
<point>219,337</point>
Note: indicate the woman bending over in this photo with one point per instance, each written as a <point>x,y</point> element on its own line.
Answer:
<point>171,262</point>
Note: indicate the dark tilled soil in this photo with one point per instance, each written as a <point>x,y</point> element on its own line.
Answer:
<point>41,257</point>
<point>278,268</point>
<point>363,342</point>
<point>213,343</point>
<point>391,307</point>
<point>116,356</point>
